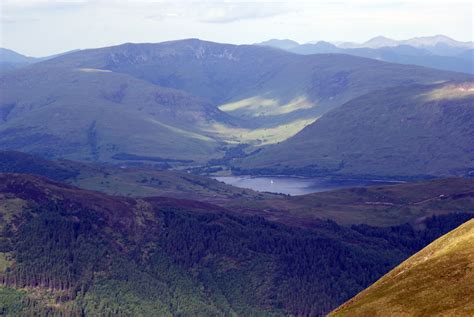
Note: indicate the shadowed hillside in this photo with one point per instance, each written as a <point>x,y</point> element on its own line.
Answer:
<point>99,103</point>
<point>93,114</point>
<point>409,131</point>
<point>254,82</point>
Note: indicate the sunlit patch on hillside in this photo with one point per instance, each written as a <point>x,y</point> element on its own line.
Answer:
<point>259,106</point>
<point>455,91</point>
<point>94,70</point>
<point>258,137</point>
<point>182,132</point>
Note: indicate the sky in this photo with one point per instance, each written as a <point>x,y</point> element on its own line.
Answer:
<point>41,27</point>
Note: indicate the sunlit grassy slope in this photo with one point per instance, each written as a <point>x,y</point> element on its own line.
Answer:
<point>258,136</point>
<point>437,281</point>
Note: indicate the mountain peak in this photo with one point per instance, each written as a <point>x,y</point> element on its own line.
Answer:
<point>437,40</point>
<point>325,43</point>
<point>7,55</point>
<point>380,41</point>
<point>284,44</point>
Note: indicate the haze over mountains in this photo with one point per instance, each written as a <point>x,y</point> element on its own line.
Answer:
<point>11,60</point>
<point>431,43</point>
<point>437,44</point>
<point>438,51</point>
<point>191,100</point>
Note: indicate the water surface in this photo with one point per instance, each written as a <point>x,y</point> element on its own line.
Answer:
<point>297,185</point>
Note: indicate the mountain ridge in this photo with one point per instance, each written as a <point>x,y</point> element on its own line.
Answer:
<point>420,41</point>
<point>230,94</point>
<point>376,134</point>
<point>445,55</point>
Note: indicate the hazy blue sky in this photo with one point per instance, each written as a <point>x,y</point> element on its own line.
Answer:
<point>40,27</point>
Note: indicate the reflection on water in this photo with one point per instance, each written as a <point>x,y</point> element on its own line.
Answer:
<point>296,185</point>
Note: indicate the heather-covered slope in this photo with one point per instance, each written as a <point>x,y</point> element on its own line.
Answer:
<point>388,205</point>
<point>126,180</point>
<point>80,252</point>
<point>437,281</point>
<point>407,131</point>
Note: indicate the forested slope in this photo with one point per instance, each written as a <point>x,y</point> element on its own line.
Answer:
<point>80,252</point>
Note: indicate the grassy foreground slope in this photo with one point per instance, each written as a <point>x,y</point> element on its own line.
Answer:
<point>437,281</point>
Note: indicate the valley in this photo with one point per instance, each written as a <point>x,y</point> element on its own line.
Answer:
<point>377,205</point>
<point>191,102</point>
<point>416,132</point>
<point>197,178</point>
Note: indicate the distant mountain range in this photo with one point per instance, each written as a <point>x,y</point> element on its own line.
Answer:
<point>185,100</point>
<point>11,60</point>
<point>427,42</point>
<point>432,43</point>
<point>438,51</point>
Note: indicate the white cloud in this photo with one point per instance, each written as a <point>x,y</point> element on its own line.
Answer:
<point>41,27</point>
<point>215,12</point>
<point>232,12</point>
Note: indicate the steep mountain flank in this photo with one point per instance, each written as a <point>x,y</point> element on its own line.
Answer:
<point>408,131</point>
<point>437,281</point>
